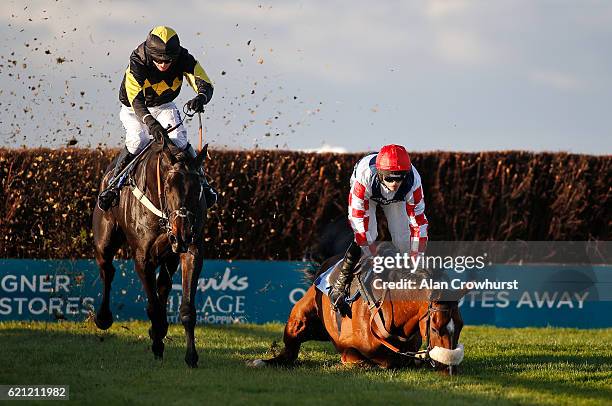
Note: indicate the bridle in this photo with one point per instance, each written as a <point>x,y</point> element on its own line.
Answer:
<point>166,218</point>
<point>170,216</point>
<point>376,312</point>
<point>431,309</point>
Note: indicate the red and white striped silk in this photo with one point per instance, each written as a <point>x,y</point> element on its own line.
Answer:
<point>415,208</point>
<point>361,209</point>
<point>359,206</point>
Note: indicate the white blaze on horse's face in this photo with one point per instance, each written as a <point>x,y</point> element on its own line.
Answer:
<point>450,327</point>
<point>443,330</point>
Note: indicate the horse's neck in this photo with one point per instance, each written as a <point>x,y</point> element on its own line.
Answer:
<point>146,172</point>
<point>405,312</point>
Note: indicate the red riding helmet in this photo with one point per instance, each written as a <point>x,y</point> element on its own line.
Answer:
<point>393,158</point>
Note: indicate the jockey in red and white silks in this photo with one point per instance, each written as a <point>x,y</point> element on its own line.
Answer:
<point>386,178</point>
<point>404,208</point>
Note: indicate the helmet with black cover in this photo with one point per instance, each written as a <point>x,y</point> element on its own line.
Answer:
<point>163,44</point>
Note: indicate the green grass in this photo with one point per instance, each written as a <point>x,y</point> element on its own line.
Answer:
<point>501,366</point>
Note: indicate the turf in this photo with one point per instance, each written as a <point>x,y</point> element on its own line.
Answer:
<point>501,366</point>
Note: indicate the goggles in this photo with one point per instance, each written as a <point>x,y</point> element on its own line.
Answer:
<point>394,178</point>
<point>163,60</point>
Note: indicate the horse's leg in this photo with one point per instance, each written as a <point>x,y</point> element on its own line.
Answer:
<point>146,272</point>
<point>164,286</point>
<point>303,325</point>
<point>191,265</point>
<point>107,240</point>
<point>351,356</point>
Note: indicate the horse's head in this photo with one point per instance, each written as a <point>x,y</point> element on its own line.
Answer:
<point>442,325</point>
<point>185,203</point>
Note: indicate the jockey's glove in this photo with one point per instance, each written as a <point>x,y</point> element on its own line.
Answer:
<point>197,103</point>
<point>155,128</point>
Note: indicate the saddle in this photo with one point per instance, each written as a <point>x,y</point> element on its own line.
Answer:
<point>361,285</point>
<point>131,177</point>
<point>143,157</point>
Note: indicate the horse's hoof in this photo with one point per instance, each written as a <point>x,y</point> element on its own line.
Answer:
<point>191,361</point>
<point>453,370</point>
<point>102,321</point>
<point>164,330</point>
<point>158,350</point>
<point>448,370</point>
<point>256,363</point>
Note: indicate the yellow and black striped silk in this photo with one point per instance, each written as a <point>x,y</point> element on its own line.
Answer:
<point>145,86</point>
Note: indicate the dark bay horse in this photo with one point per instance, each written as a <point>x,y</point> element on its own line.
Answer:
<point>162,238</point>
<point>392,341</point>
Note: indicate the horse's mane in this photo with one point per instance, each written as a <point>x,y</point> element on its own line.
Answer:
<point>155,150</point>
<point>140,170</point>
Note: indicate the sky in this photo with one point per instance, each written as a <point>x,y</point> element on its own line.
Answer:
<point>323,75</point>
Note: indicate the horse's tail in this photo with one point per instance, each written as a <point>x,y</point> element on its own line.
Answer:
<point>314,269</point>
<point>310,271</point>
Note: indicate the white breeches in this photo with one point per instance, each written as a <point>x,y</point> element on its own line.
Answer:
<point>136,133</point>
<point>398,222</point>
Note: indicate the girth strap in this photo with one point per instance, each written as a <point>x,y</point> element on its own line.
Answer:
<point>376,317</point>
<point>382,334</point>
<point>374,309</point>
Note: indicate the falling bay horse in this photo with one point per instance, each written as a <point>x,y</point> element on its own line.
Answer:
<point>159,234</point>
<point>393,340</point>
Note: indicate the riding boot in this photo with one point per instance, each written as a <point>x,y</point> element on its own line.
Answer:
<point>337,294</point>
<point>110,197</point>
<point>210,194</point>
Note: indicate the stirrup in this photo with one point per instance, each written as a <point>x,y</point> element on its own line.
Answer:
<point>339,299</point>
<point>339,303</point>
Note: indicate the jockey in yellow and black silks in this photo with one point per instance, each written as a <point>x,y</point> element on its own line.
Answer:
<point>151,82</point>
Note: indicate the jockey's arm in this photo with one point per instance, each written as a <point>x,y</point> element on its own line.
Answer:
<point>197,78</point>
<point>359,205</point>
<point>415,207</point>
<point>135,88</point>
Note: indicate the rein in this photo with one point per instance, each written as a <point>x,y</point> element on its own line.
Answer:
<point>166,218</point>
<point>376,316</point>
<point>129,167</point>
<point>159,190</point>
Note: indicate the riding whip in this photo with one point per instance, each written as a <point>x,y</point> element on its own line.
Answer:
<point>200,130</point>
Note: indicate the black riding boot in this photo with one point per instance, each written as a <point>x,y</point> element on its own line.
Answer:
<point>210,194</point>
<point>110,197</point>
<point>337,294</point>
